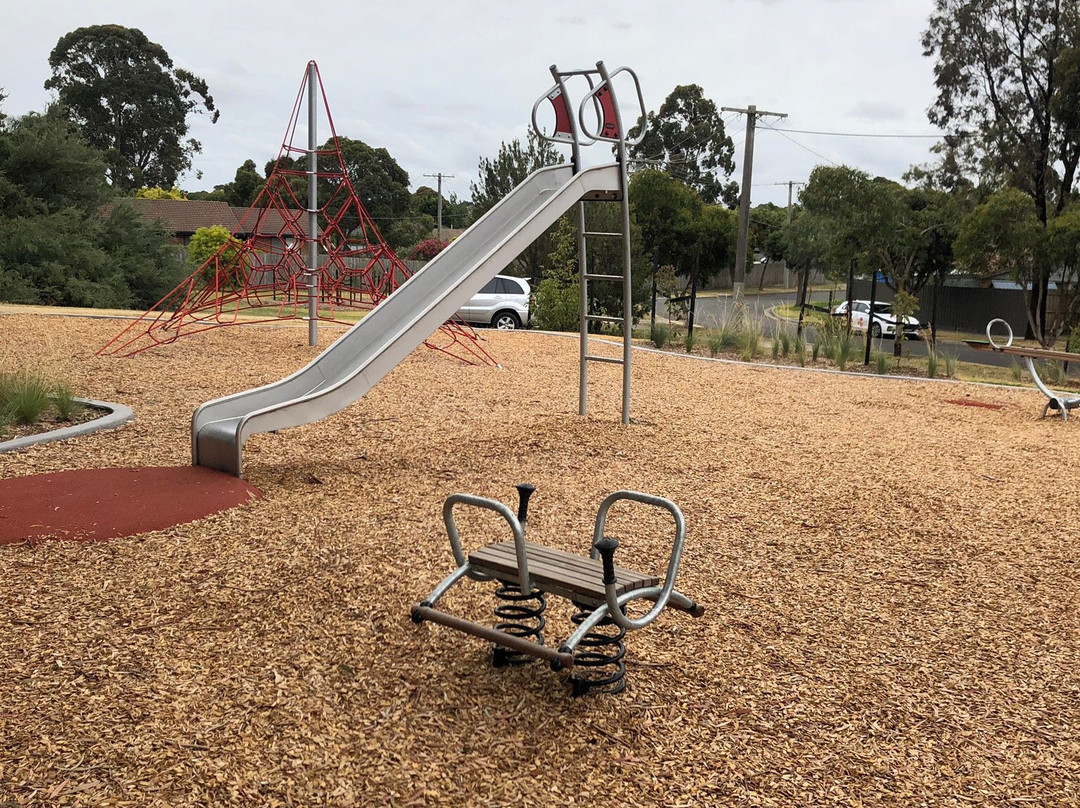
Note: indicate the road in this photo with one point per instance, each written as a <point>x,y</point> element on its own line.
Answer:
<point>714,309</point>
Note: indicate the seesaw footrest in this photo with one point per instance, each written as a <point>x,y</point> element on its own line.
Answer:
<point>560,660</point>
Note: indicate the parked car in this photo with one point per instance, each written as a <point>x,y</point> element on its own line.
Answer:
<point>884,321</point>
<point>503,303</point>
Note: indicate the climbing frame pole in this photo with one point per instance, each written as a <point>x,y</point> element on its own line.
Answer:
<point>313,207</point>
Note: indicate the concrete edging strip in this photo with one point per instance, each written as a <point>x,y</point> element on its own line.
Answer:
<point>115,415</point>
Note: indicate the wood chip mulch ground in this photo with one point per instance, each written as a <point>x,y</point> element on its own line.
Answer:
<point>892,588</point>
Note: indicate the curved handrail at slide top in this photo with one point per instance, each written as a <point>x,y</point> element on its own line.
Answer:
<point>369,350</point>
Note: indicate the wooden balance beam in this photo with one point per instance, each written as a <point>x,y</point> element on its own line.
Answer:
<point>1015,350</point>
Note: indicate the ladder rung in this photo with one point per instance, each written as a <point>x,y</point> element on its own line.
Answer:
<point>609,359</point>
<point>590,277</point>
<point>603,235</point>
<point>600,318</point>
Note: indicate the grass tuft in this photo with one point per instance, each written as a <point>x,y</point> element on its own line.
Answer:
<point>63,401</point>
<point>27,397</point>
<point>24,396</point>
<point>659,334</point>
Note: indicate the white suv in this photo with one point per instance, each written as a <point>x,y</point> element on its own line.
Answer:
<point>503,302</point>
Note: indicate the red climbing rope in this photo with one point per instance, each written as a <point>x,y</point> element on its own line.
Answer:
<point>262,274</point>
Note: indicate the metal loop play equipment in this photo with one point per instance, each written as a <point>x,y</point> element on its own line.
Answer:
<point>606,548</point>
<point>602,99</point>
<point>990,336</point>
<point>565,130</point>
<point>1058,402</point>
<point>526,573</point>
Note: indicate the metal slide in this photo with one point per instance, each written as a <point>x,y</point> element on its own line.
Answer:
<point>396,327</point>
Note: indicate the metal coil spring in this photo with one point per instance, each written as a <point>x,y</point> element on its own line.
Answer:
<point>520,614</point>
<point>599,664</point>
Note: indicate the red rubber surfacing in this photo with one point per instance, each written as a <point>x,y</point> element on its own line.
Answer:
<point>968,402</point>
<point>98,504</point>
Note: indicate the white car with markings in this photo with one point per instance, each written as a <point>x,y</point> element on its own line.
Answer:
<point>884,322</point>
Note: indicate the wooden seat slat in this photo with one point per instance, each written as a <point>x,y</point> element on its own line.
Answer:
<point>571,562</point>
<point>557,571</point>
<point>563,564</point>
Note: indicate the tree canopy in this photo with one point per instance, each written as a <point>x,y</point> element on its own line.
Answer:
<point>56,246</point>
<point>130,101</point>
<point>678,228</point>
<point>499,176</point>
<point>1007,78</point>
<point>686,138</point>
<point>849,218</point>
<point>246,184</point>
<point>514,162</point>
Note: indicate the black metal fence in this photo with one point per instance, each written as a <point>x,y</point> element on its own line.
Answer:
<point>961,308</point>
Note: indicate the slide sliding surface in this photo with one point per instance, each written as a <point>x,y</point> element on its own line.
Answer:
<point>362,356</point>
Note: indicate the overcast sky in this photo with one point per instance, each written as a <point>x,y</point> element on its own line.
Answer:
<point>442,84</point>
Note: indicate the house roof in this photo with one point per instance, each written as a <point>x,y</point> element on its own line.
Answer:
<point>182,217</point>
<point>266,222</point>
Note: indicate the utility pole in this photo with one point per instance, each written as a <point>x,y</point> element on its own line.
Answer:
<point>752,114</point>
<point>438,203</point>
<point>790,211</point>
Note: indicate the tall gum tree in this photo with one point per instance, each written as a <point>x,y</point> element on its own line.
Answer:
<point>686,139</point>
<point>1007,74</point>
<point>130,102</point>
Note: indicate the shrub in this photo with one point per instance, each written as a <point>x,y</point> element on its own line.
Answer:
<point>659,334</point>
<point>27,397</point>
<point>843,352</point>
<point>715,342</point>
<point>556,306</point>
<point>427,249</point>
<point>729,339</point>
<point>1052,372</point>
<point>689,341</point>
<point>748,334</point>
<point>750,344</point>
<point>931,363</point>
<point>882,364</point>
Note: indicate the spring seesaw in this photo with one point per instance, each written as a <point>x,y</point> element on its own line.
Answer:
<point>526,573</point>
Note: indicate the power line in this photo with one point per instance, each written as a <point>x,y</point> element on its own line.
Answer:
<point>802,146</point>
<point>860,134</point>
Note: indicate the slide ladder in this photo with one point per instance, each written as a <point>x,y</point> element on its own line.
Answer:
<point>599,119</point>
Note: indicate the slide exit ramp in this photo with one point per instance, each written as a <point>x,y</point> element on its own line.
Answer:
<point>396,327</point>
